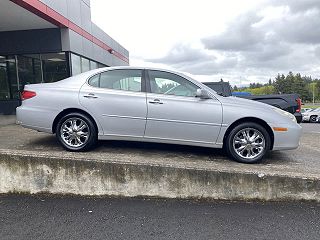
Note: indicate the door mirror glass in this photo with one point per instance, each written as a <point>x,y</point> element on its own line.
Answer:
<point>203,94</point>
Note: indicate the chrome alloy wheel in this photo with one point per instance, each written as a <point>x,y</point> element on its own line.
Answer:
<point>249,143</point>
<point>75,132</point>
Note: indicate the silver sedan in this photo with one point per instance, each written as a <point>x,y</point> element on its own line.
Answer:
<point>154,105</point>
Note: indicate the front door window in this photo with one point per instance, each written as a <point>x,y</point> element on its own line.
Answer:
<point>171,84</point>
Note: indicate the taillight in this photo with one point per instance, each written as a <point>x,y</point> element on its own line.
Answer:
<point>27,95</point>
<point>299,104</point>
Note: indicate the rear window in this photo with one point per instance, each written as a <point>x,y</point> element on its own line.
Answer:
<point>126,80</point>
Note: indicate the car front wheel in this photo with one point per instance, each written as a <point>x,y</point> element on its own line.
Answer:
<point>248,143</point>
<point>76,132</point>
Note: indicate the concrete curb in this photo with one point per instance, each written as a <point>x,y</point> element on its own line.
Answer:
<point>37,173</point>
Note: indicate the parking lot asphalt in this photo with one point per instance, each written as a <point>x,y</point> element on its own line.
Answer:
<point>304,161</point>
<point>311,128</point>
<point>7,120</point>
<point>40,217</point>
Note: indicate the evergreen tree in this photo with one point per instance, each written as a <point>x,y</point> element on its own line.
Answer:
<point>280,85</point>
<point>300,87</point>
<point>235,88</point>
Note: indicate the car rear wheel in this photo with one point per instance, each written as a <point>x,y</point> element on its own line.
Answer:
<point>76,132</point>
<point>248,143</point>
<point>313,119</point>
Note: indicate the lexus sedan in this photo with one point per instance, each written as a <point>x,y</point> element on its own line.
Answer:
<point>154,105</point>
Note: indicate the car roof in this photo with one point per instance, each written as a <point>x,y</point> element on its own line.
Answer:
<point>141,67</point>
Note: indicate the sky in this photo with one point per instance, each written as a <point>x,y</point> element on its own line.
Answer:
<point>239,41</point>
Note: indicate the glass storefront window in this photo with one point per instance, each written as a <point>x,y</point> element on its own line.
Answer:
<point>54,67</point>
<point>4,83</point>
<point>81,64</point>
<point>101,65</point>
<point>76,64</point>
<point>85,64</point>
<point>93,65</point>
<point>38,68</point>
<point>12,77</point>
<point>29,69</point>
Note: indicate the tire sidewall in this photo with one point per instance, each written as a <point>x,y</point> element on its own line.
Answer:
<point>229,142</point>
<point>91,139</point>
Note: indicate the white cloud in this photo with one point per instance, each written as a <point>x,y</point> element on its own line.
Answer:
<point>249,39</point>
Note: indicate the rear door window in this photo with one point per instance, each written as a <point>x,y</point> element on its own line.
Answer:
<point>126,80</point>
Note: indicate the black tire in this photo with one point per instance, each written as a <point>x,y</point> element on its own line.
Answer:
<point>89,129</point>
<point>313,119</point>
<point>229,146</point>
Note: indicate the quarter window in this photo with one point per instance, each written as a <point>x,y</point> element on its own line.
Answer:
<point>95,81</point>
<point>171,84</point>
<point>126,80</point>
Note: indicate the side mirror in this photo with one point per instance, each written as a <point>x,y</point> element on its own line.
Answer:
<point>203,94</point>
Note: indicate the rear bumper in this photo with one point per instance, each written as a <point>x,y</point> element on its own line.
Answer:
<point>35,118</point>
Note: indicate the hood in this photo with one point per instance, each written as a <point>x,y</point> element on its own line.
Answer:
<point>236,101</point>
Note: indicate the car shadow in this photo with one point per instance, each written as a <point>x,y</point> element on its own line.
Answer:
<point>278,157</point>
<point>146,147</point>
<point>50,143</point>
<point>44,142</point>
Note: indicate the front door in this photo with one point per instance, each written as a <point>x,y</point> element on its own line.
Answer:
<point>116,99</point>
<point>175,114</point>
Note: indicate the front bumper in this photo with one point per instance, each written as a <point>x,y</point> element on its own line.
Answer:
<point>289,139</point>
<point>305,118</point>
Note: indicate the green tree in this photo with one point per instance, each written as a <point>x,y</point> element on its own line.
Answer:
<point>281,85</point>
<point>235,88</point>
<point>300,87</point>
<point>317,86</point>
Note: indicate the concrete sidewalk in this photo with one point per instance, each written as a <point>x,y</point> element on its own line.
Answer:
<point>34,162</point>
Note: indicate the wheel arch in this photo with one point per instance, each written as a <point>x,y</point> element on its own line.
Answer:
<point>72,110</point>
<point>250,119</point>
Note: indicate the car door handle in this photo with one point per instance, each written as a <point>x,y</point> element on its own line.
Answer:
<point>90,95</point>
<point>156,101</point>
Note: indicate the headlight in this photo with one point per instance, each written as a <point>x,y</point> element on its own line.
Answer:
<point>284,113</point>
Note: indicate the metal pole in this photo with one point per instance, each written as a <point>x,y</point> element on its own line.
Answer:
<point>313,93</point>
<point>17,72</point>
<point>41,69</point>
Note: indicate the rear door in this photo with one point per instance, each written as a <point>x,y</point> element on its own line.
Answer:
<point>118,100</point>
